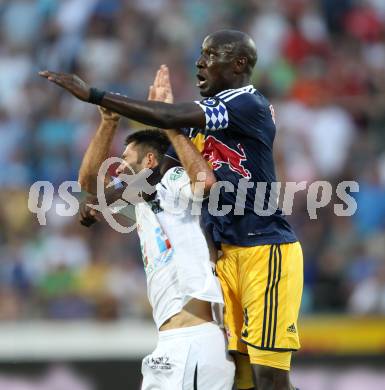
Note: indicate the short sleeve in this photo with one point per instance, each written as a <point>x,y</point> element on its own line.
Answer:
<point>216,113</point>
<point>243,110</point>
<point>177,183</point>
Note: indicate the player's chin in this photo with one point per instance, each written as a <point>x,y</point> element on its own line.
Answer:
<point>209,89</point>
<point>205,92</point>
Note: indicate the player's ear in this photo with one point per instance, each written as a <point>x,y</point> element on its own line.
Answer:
<point>240,65</point>
<point>151,160</point>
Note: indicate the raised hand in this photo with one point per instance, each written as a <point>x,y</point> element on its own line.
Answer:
<point>70,82</point>
<point>161,90</point>
<point>108,115</point>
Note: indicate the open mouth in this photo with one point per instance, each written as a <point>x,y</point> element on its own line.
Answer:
<point>202,82</point>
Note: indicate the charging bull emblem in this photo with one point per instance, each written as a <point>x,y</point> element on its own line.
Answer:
<point>217,153</point>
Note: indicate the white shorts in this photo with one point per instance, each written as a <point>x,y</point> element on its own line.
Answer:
<point>193,358</point>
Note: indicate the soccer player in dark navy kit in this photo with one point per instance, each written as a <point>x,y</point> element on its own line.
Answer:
<point>261,269</point>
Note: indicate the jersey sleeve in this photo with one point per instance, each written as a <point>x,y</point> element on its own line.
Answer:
<point>239,110</point>
<point>216,113</point>
<point>177,182</point>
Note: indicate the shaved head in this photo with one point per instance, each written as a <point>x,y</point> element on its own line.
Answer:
<point>236,43</point>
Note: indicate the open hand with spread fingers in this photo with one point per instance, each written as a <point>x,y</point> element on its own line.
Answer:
<point>70,82</point>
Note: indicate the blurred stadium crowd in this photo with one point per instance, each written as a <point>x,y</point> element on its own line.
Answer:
<point>321,63</point>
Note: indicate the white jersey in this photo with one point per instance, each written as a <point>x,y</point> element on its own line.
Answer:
<point>175,250</point>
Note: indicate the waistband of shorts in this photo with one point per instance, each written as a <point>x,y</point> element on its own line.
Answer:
<point>228,248</point>
<point>189,331</point>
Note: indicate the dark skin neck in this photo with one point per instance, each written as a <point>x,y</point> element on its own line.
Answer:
<point>242,80</point>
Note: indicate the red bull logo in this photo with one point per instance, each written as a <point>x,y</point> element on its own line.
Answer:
<point>217,153</point>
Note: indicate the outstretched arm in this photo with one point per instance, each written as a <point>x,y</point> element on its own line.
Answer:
<point>151,113</point>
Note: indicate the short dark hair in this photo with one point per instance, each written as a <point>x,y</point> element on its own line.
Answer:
<point>153,140</point>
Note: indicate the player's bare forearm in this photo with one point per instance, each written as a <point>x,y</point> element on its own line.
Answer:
<point>98,151</point>
<point>192,160</point>
<point>151,113</point>
<point>156,114</point>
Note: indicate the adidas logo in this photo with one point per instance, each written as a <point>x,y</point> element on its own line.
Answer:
<point>292,329</point>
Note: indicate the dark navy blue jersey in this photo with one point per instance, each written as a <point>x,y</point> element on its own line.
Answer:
<point>238,144</point>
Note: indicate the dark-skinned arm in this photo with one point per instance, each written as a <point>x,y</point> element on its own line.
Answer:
<point>192,161</point>
<point>151,113</point>
<point>157,114</point>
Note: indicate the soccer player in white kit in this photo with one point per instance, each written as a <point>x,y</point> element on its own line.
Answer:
<point>191,352</point>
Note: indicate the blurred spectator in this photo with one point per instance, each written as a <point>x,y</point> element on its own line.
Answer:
<point>55,378</point>
<point>368,296</point>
